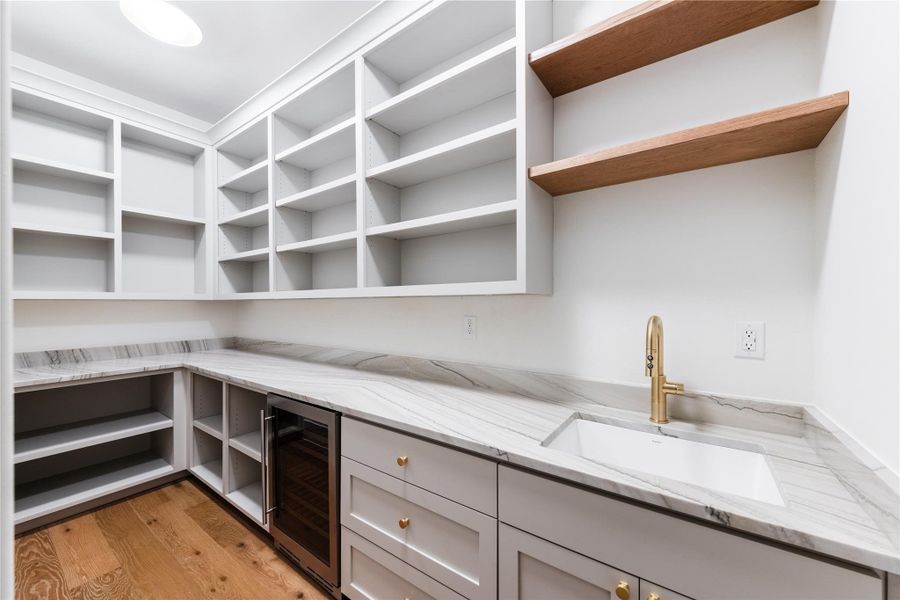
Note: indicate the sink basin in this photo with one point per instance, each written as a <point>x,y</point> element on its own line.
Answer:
<point>731,470</point>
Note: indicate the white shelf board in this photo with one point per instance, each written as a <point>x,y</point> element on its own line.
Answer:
<point>254,217</point>
<point>327,243</point>
<point>249,500</point>
<point>210,473</point>
<point>257,255</point>
<point>46,496</point>
<point>59,169</point>
<point>490,215</point>
<point>211,425</point>
<point>249,444</point>
<point>323,196</point>
<point>64,231</point>
<point>90,433</point>
<point>322,149</point>
<point>61,295</point>
<point>480,148</point>
<point>251,180</point>
<point>158,215</point>
<point>475,288</point>
<point>484,77</point>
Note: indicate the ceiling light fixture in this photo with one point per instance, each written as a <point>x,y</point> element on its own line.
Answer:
<point>162,21</point>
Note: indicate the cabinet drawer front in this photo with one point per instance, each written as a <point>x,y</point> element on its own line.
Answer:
<point>453,544</point>
<point>456,475</point>
<point>535,569</point>
<point>663,548</point>
<point>370,573</point>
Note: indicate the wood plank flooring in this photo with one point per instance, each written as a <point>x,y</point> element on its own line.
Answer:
<point>172,543</point>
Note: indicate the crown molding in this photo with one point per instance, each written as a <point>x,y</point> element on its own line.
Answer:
<point>35,75</point>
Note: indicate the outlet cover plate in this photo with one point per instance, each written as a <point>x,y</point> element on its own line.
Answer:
<point>750,339</point>
<point>470,327</point>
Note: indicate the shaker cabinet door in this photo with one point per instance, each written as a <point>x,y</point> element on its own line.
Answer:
<point>535,569</point>
<point>651,591</point>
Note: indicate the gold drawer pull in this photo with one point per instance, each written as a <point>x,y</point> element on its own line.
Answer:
<point>653,596</point>
<point>404,523</point>
<point>623,591</point>
<point>402,460</point>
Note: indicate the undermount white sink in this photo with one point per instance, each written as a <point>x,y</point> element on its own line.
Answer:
<point>731,470</point>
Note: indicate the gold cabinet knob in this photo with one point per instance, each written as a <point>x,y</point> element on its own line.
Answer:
<point>623,591</point>
<point>404,523</point>
<point>402,460</point>
<point>653,596</point>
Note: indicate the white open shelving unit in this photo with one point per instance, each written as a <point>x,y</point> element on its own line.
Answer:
<point>105,208</point>
<point>80,443</point>
<point>226,442</point>
<point>403,169</point>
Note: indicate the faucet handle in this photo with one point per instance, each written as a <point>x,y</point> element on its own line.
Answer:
<point>673,388</point>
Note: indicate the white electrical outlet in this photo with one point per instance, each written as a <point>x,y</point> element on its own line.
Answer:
<point>750,339</point>
<point>470,327</point>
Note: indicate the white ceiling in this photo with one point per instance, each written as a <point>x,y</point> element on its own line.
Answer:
<point>246,45</point>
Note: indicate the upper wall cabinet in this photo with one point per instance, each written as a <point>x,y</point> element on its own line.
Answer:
<point>103,208</point>
<point>401,171</point>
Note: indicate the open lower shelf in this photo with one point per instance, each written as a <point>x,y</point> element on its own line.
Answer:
<point>648,33</point>
<point>500,213</point>
<point>323,196</point>
<point>781,130</point>
<point>158,215</point>
<point>43,443</point>
<point>481,148</point>
<point>323,244</point>
<point>64,231</point>
<point>211,425</point>
<point>251,180</point>
<point>42,497</point>
<point>210,473</point>
<point>248,499</point>
<point>249,444</point>
<point>60,169</point>
<point>484,77</point>
<point>256,255</point>
<point>327,147</point>
<point>254,217</point>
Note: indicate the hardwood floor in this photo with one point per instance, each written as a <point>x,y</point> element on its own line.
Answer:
<point>172,543</point>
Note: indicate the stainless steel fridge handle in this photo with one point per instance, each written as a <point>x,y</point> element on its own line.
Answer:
<point>264,446</point>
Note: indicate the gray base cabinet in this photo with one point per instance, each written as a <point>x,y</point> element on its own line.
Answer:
<point>694,560</point>
<point>535,569</point>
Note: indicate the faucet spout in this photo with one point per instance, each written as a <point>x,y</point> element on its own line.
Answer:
<point>653,368</point>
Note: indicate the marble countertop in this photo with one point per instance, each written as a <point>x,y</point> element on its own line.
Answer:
<point>843,511</point>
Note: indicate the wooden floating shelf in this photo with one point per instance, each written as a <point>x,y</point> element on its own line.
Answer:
<point>781,130</point>
<point>648,33</point>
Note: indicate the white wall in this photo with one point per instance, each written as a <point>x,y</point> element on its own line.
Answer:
<point>46,324</point>
<point>857,249</point>
<point>701,249</point>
